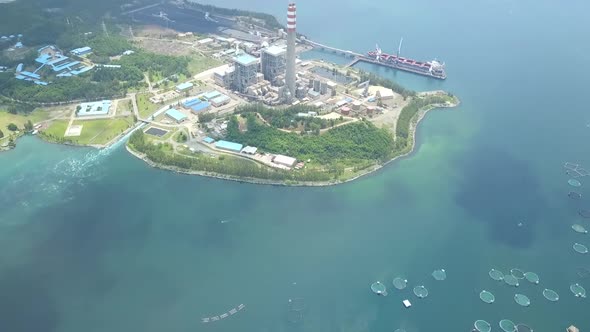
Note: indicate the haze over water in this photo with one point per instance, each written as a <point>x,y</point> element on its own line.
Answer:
<point>95,241</point>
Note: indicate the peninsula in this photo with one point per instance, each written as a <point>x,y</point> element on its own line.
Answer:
<point>208,91</point>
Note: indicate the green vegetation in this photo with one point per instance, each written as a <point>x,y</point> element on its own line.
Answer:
<point>268,21</point>
<point>1,134</point>
<point>145,106</point>
<point>228,165</point>
<point>198,64</point>
<point>288,118</point>
<point>101,131</point>
<point>93,131</point>
<point>408,113</point>
<point>21,119</point>
<point>56,131</point>
<point>345,144</point>
<point>377,80</point>
<point>12,127</point>
<point>181,137</point>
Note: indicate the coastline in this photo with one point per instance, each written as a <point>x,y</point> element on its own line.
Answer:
<point>418,117</point>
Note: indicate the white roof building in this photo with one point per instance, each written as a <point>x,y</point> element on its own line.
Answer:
<point>250,150</point>
<point>284,160</point>
<point>205,41</point>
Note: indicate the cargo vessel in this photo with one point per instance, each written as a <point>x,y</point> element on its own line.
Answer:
<point>427,68</point>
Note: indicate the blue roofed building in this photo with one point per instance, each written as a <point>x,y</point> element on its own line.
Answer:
<point>208,140</point>
<point>81,51</point>
<point>18,45</point>
<point>96,108</point>
<point>184,86</point>
<point>200,107</point>
<point>211,94</point>
<point>229,146</point>
<point>191,102</point>
<point>176,115</point>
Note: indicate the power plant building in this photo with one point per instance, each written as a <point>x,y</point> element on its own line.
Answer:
<point>246,68</point>
<point>273,62</point>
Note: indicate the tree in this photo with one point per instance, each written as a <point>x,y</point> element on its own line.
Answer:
<point>12,127</point>
<point>1,134</point>
<point>28,125</point>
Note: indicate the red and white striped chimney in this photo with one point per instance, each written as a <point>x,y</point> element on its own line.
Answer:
<point>292,18</point>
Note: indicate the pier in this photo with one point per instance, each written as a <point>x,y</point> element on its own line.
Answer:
<point>334,50</point>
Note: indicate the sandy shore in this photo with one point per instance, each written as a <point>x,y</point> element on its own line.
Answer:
<point>413,128</point>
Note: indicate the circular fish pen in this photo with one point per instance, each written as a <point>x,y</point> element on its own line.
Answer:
<point>579,229</point>
<point>400,283</point>
<point>550,295</point>
<point>580,248</point>
<point>439,275</point>
<point>574,183</point>
<point>294,316</point>
<point>523,300</point>
<point>574,195</point>
<point>482,326</point>
<point>532,277</point>
<point>421,292</point>
<point>496,275</point>
<point>523,328</point>
<point>507,325</point>
<point>511,280</point>
<point>517,273</point>
<point>584,213</point>
<point>578,290</point>
<point>379,288</point>
<point>487,297</point>
<point>583,272</point>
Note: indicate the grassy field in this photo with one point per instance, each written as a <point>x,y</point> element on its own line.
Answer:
<point>19,120</point>
<point>124,106</point>
<point>101,131</point>
<point>56,129</point>
<point>199,64</point>
<point>145,106</point>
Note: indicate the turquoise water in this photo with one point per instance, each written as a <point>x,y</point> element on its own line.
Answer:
<point>98,241</point>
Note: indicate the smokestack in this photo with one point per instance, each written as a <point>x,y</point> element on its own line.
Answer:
<point>291,34</point>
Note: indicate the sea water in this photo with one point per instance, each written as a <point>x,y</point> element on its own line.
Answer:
<point>94,241</point>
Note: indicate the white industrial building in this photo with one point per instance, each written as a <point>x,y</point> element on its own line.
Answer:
<point>284,160</point>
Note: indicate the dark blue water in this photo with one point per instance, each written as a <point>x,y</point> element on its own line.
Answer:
<point>100,242</point>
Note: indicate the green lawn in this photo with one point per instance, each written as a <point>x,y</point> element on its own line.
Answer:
<point>124,106</point>
<point>56,129</point>
<point>199,64</point>
<point>145,106</point>
<point>101,131</point>
<point>20,119</point>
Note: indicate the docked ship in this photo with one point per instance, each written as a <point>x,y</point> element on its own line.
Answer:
<point>429,68</point>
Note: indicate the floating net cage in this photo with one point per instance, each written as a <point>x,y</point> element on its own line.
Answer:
<point>482,326</point>
<point>532,277</point>
<point>507,325</point>
<point>523,300</point>
<point>579,228</point>
<point>496,275</point>
<point>550,295</point>
<point>584,213</point>
<point>523,328</point>
<point>574,195</point>
<point>294,316</point>
<point>580,248</point>
<point>379,288</point>
<point>421,291</point>
<point>400,283</point>
<point>575,170</point>
<point>583,272</point>
<point>578,290</point>
<point>297,304</point>
<point>400,330</point>
<point>439,274</point>
<point>574,183</point>
<point>517,273</point>
<point>487,297</point>
<point>511,280</point>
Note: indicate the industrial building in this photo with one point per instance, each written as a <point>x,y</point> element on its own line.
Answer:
<point>224,77</point>
<point>81,51</point>
<point>211,95</point>
<point>96,108</point>
<point>200,107</point>
<point>273,63</point>
<point>246,68</point>
<point>229,146</point>
<point>176,115</point>
<point>220,100</point>
<point>184,86</point>
<point>251,150</point>
<point>279,159</point>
